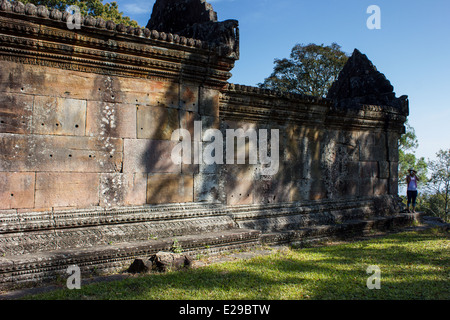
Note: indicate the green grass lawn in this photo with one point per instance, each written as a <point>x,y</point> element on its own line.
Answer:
<point>413,266</point>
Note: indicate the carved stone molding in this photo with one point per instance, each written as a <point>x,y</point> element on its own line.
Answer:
<point>43,40</point>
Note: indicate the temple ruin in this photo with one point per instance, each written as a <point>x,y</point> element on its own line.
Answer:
<point>86,123</point>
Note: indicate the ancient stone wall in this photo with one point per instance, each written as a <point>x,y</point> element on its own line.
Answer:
<point>86,124</point>
<point>87,116</point>
<point>326,153</point>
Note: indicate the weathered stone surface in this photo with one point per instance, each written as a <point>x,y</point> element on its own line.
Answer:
<point>60,153</point>
<point>119,189</point>
<point>369,169</point>
<point>149,92</point>
<point>367,187</point>
<point>170,188</point>
<point>272,190</point>
<point>165,261</point>
<point>67,190</point>
<point>239,184</point>
<point>189,97</point>
<point>16,113</point>
<point>58,116</point>
<point>384,169</point>
<point>156,123</point>
<point>111,120</point>
<point>149,156</point>
<point>381,187</point>
<point>209,102</point>
<point>187,121</point>
<point>206,188</point>
<point>17,190</point>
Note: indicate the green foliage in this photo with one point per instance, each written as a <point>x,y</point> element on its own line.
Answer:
<point>96,8</point>
<point>433,205</point>
<point>176,247</point>
<point>439,184</point>
<point>407,158</point>
<point>311,70</point>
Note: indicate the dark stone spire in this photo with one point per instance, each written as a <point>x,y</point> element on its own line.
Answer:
<point>195,19</point>
<point>172,16</point>
<point>360,82</point>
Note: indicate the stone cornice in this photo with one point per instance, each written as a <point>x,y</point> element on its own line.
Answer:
<point>239,102</point>
<point>37,36</point>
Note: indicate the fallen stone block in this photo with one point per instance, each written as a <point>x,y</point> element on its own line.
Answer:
<point>140,266</point>
<point>165,261</point>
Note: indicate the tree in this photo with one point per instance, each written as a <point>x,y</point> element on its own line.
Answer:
<point>96,8</point>
<point>311,70</point>
<point>407,158</point>
<point>439,183</point>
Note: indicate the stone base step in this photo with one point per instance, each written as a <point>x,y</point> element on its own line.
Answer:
<point>34,269</point>
<point>349,229</point>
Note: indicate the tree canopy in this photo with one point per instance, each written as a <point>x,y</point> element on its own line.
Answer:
<point>440,178</point>
<point>311,70</point>
<point>95,8</point>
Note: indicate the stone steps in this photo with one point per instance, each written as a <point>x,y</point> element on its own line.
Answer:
<point>39,246</point>
<point>36,268</point>
<point>347,230</point>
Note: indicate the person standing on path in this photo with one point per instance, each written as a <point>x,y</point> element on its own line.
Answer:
<point>411,182</point>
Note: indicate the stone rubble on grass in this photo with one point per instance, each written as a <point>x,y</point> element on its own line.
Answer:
<point>161,262</point>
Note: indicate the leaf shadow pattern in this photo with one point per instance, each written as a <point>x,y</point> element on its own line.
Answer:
<point>326,273</point>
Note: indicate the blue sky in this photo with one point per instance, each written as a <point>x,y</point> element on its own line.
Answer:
<point>412,48</point>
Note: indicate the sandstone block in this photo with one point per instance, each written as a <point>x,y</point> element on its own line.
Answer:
<point>384,169</point>
<point>187,121</point>
<point>149,92</point>
<point>317,190</point>
<point>301,190</point>
<point>156,123</point>
<point>60,153</point>
<point>119,189</point>
<point>54,82</point>
<point>206,188</point>
<point>369,169</point>
<point>149,156</point>
<point>170,188</point>
<point>239,183</point>
<point>17,190</point>
<point>367,187</point>
<point>67,189</point>
<point>111,120</point>
<point>393,169</point>
<point>189,97</point>
<point>272,191</point>
<point>163,94</point>
<point>209,102</point>
<point>59,116</point>
<point>381,187</point>
<point>15,113</point>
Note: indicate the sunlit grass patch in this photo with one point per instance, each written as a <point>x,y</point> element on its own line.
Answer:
<point>413,266</point>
